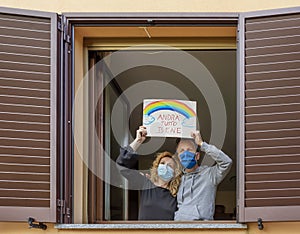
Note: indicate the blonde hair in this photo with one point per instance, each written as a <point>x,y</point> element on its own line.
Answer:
<point>174,183</point>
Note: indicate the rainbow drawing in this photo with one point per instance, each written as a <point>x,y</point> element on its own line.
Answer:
<point>173,105</point>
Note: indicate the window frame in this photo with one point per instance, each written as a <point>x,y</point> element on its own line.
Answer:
<point>144,19</point>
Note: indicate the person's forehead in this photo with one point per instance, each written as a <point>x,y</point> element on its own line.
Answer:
<point>186,144</point>
<point>167,159</point>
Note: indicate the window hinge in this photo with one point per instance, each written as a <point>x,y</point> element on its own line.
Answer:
<point>67,37</point>
<point>59,26</point>
<point>68,212</point>
<point>61,206</point>
<point>238,33</point>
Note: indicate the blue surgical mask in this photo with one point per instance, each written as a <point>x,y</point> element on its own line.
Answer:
<point>188,159</point>
<point>165,172</point>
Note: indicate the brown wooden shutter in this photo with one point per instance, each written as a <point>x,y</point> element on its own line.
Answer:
<point>27,115</point>
<point>269,115</point>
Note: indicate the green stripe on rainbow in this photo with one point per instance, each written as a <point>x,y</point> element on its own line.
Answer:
<point>172,105</point>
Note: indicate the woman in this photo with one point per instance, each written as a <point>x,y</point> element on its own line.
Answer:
<point>158,191</point>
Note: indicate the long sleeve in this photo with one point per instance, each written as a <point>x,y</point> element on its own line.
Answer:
<point>223,162</point>
<point>126,162</point>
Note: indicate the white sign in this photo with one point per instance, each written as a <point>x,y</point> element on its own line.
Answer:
<point>169,118</point>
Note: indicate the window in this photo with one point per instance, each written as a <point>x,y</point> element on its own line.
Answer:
<point>266,113</point>
<point>108,200</point>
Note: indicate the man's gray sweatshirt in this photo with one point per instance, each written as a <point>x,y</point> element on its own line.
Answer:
<point>197,192</point>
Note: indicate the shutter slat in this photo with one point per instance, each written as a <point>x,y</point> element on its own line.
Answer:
<point>284,65</point>
<point>272,125</point>
<point>25,160</point>
<point>25,176</point>
<point>11,167</point>
<point>35,50</point>
<point>275,142</point>
<point>265,176</point>
<point>276,201</point>
<point>25,67</point>
<point>23,75</point>
<point>23,134</point>
<point>32,185</point>
<point>274,159</point>
<point>8,90</point>
<point>283,184</point>
<point>269,50</point>
<point>26,58</point>
<point>34,143</point>
<point>286,90</point>
<point>292,115</point>
<point>268,58</point>
<point>272,109</point>
<point>14,202</point>
<point>274,83</point>
<point>273,133</point>
<point>271,193</point>
<point>44,43</point>
<point>256,101</point>
<point>277,40</point>
<point>24,100</point>
<point>269,167</point>
<point>272,75</point>
<point>22,193</point>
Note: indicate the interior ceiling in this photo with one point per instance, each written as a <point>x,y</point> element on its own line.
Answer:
<point>156,32</point>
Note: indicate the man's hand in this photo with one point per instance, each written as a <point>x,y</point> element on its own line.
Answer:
<point>197,137</point>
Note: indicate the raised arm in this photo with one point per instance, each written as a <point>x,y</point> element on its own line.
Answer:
<point>128,159</point>
<point>223,161</point>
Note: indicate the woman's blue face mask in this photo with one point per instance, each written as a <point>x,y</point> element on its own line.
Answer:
<point>188,159</point>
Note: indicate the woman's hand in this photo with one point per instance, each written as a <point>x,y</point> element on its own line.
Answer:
<point>141,134</point>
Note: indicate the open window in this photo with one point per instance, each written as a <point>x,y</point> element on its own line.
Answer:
<point>38,167</point>
<point>118,96</point>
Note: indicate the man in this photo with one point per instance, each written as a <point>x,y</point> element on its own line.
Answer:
<point>197,192</point>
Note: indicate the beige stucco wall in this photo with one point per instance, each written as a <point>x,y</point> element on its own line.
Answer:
<point>151,6</point>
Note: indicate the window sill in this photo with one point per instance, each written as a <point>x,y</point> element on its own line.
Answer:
<point>157,225</point>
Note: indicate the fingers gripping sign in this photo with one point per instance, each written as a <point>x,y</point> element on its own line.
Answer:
<point>197,137</point>
<point>141,134</point>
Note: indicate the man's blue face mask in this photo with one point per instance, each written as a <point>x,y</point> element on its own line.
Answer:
<point>188,159</point>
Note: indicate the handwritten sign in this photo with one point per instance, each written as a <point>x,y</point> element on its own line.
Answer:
<point>169,118</point>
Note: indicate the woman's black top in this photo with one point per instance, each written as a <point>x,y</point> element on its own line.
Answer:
<point>156,203</point>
